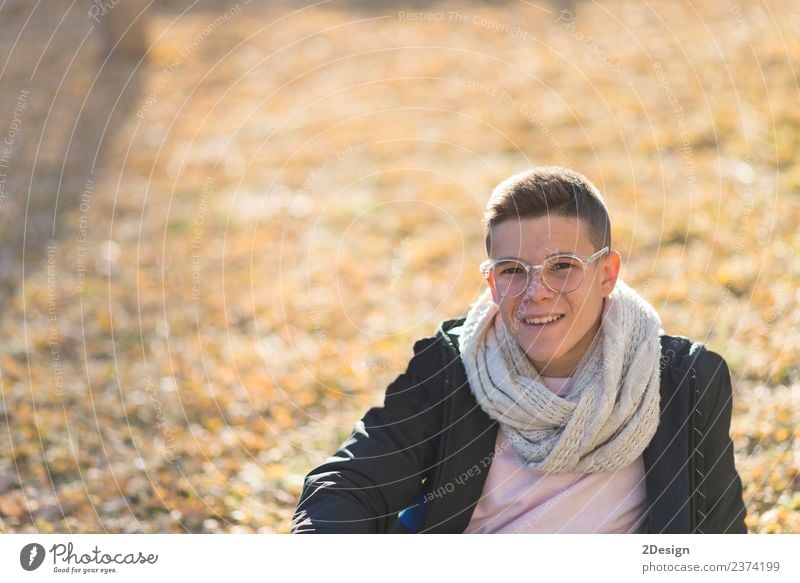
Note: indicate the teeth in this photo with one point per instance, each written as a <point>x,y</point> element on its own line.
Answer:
<point>542,320</point>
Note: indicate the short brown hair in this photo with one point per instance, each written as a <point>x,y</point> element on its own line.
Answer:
<point>549,190</point>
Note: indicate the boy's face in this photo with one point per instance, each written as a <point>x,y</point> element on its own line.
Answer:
<point>555,348</point>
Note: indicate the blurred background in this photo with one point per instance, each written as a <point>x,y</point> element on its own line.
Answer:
<point>224,224</point>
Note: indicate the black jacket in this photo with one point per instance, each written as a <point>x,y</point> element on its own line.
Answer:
<point>419,463</point>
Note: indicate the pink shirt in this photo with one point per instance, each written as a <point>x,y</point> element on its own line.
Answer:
<point>516,500</point>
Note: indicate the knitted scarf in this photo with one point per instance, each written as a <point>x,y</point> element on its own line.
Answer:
<point>610,413</point>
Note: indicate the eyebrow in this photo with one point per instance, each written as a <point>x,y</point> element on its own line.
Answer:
<point>553,254</point>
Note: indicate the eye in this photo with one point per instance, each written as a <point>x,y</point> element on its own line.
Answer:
<point>509,269</point>
<point>561,263</point>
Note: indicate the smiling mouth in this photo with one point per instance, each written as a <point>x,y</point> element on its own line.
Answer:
<point>543,321</point>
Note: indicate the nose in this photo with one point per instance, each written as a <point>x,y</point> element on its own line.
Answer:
<point>536,288</point>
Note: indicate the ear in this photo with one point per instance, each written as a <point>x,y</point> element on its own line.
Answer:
<point>609,272</point>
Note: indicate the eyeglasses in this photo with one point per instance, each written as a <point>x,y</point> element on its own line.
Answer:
<point>561,273</point>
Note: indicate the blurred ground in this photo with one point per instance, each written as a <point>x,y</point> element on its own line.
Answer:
<point>229,247</point>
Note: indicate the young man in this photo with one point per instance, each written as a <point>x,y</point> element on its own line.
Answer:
<point>557,404</point>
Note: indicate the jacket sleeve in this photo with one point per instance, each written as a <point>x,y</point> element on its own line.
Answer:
<point>378,470</point>
<point>722,486</point>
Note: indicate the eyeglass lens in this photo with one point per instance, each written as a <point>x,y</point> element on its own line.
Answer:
<point>560,274</point>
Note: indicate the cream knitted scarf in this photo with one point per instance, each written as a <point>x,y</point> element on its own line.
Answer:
<point>609,414</point>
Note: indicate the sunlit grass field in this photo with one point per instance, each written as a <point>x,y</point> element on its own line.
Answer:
<point>297,196</point>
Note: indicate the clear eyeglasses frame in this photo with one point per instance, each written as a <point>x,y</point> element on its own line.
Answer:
<point>562,273</point>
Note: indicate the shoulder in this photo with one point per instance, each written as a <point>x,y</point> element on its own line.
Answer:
<point>713,392</point>
<point>708,371</point>
<point>436,362</point>
<point>439,349</point>
<point>434,354</point>
<point>686,354</point>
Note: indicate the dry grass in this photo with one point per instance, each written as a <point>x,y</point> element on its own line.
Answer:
<point>285,207</point>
